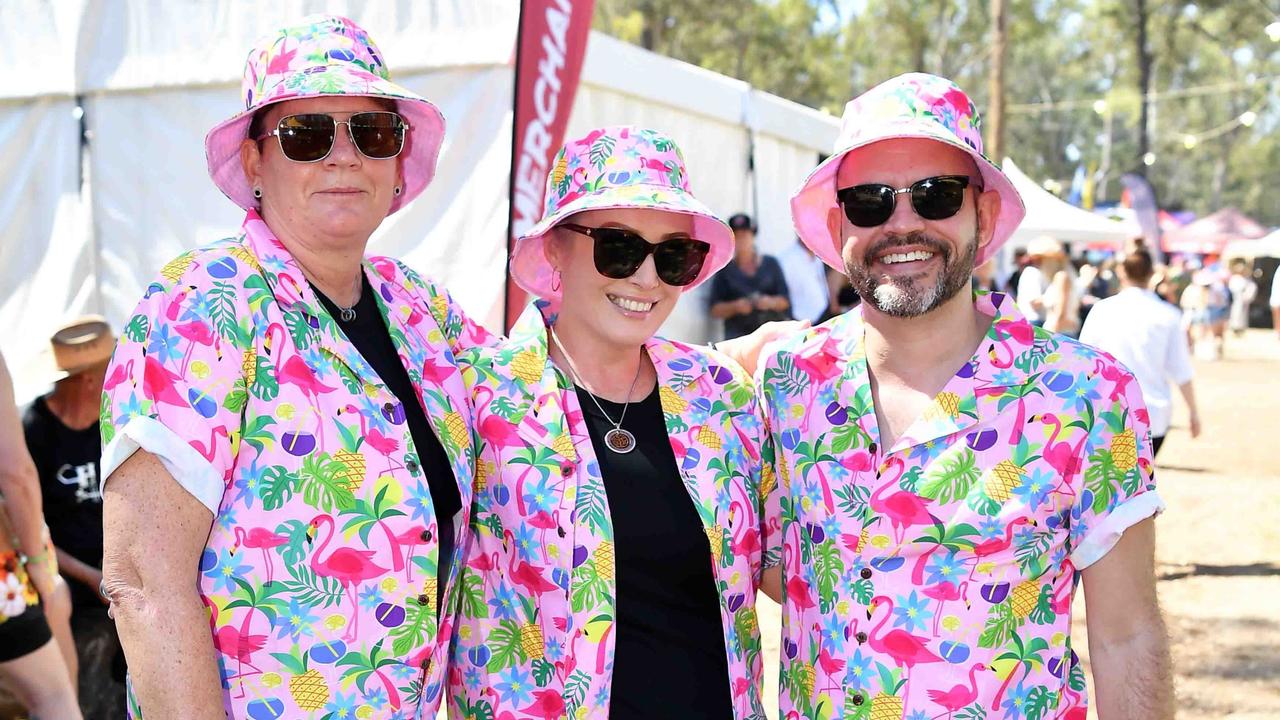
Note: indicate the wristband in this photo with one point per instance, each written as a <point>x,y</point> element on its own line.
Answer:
<point>41,557</point>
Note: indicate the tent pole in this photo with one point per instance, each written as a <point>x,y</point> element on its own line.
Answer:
<point>507,316</point>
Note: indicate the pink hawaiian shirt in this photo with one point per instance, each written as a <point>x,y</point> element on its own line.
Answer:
<point>534,635</point>
<point>934,578</point>
<point>320,569</point>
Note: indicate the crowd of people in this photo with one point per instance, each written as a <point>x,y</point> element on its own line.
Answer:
<point>334,491</point>
<point>1058,292</point>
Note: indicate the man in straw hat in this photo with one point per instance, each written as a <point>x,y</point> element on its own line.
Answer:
<point>62,433</point>
<point>947,472</point>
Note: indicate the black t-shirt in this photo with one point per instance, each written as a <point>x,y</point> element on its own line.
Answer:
<point>732,283</point>
<point>368,332</point>
<point>670,650</point>
<point>67,462</point>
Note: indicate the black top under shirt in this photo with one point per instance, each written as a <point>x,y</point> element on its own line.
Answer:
<point>66,461</point>
<point>368,333</point>
<point>670,650</point>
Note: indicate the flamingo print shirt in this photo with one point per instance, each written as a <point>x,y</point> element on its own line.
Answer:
<point>535,636</point>
<point>934,578</point>
<point>320,569</point>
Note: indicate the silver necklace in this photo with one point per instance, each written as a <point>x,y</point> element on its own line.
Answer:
<point>618,440</point>
<point>348,314</point>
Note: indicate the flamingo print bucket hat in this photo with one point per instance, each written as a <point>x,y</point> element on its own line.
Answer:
<point>319,56</point>
<point>617,167</point>
<point>914,105</point>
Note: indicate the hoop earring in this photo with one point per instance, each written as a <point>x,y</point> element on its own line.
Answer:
<point>555,281</point>
<point>397,191</point>
<point>257,193</point>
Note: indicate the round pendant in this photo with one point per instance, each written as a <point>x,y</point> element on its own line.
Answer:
<point>348,314</point>
<point>620,441</point>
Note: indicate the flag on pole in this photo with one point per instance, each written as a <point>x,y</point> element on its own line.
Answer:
<point>550,47</point>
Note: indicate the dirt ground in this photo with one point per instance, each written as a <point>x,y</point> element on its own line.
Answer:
<point>1218,545</point>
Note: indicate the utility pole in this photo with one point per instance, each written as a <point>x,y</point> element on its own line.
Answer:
<point>995,113</point>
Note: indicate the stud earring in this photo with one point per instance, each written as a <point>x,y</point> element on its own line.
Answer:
<point>397,191</point>
<point>257,192</point>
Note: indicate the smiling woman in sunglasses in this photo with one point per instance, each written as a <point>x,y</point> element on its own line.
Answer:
<point>616,548</point>
<point>287,452</point>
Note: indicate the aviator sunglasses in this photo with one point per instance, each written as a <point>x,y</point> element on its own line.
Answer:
<point>310,137</point>
<point>933,198</point>
<point>619,254</point>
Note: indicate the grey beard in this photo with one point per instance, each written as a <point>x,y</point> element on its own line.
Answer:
<point>906,297</point>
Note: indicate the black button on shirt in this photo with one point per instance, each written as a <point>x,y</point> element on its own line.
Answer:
<point>368,333</point>
<point>669,657</point>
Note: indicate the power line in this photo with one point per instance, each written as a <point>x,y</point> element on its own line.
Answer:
<point>1153,96</point>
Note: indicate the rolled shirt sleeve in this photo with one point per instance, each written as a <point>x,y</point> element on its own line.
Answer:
<point>176,385</point>
<point>1115,488</point>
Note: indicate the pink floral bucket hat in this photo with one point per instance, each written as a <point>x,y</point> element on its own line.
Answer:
<point>617,167</point>
<point>319,56</point>
<point>914,105</point>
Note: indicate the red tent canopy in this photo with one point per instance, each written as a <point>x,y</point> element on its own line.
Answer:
<point>1210,234</point>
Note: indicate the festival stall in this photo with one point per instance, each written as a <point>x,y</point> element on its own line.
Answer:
<point>105,170</point>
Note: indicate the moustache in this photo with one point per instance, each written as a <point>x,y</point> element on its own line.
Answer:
<point>916,239</point>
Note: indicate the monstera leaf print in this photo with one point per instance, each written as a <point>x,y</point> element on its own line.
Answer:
<point>419,621</point>
<point>322,486</point>
<point>951,476</point>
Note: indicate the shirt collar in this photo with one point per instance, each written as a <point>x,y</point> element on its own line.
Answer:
<point>304,313</point>
<point>1011,352</point>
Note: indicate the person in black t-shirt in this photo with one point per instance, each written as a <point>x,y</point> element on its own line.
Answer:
<point>62,434</point>
<point>751,290</point>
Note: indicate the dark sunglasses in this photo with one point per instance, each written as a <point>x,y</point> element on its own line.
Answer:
<point>620,253</point>
<point>310,137</point>
<point>933,198</point>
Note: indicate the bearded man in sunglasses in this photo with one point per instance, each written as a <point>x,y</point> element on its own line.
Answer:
<point>949,473</point>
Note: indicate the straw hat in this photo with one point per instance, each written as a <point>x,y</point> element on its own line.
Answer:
<point>1045,246</point>
<point>80,345</point>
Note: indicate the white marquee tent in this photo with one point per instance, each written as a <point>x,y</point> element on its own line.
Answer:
<point>1049,215</point>
<point>84,227</point>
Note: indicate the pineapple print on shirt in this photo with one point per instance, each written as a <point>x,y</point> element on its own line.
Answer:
<point>536,620</point>
<point>934,578</point>
<point>321,560</point>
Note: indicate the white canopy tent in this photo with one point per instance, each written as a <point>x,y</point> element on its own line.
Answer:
<point>152,76</point>
<point>1049,215</point>
<point>1266,246</point>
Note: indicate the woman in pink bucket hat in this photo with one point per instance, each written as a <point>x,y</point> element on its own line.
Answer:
<point>287,462</point>
<point>614,564</point>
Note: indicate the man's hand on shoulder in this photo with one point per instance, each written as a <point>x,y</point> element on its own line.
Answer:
<point>746,349</point>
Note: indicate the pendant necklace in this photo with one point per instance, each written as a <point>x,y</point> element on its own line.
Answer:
<point>349,313</point>
<point>618,440</point>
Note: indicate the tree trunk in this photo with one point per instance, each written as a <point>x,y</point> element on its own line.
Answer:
<point>995,112</point>
<point>1145,62</point>
<point>652,23</point>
